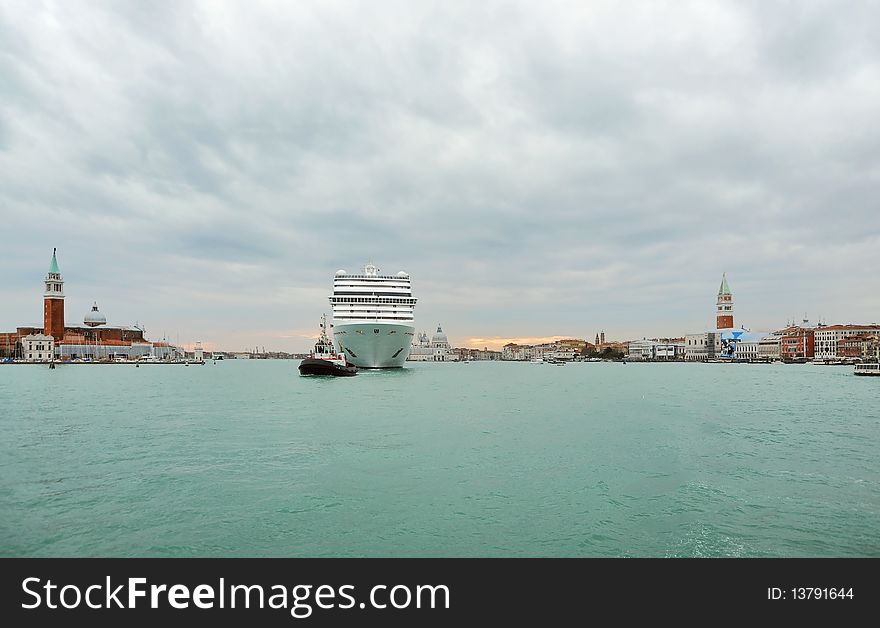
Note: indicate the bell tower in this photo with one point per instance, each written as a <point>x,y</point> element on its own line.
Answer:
<point>724,306</point>
<point>53,302</point>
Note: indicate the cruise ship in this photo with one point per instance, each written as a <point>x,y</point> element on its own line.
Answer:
<point>373,317</point>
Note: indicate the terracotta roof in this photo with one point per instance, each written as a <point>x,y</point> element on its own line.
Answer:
<point>846,327</point>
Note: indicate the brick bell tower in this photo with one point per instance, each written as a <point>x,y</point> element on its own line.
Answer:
<point>724,307</point>
<point>53,302</point>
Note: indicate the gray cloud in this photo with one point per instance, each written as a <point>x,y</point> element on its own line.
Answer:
<point>205,167</point>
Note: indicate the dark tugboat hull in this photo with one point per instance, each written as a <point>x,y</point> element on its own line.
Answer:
<point>313,366</point>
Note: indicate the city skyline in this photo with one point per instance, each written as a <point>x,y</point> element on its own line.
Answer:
<point>491,342</point>
<point>539,173</point>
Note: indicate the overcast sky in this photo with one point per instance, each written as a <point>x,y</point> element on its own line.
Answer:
<point>539,169</point>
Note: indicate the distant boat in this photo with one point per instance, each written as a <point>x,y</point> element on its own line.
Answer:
<point>869,368</point>
<point>324,360</point>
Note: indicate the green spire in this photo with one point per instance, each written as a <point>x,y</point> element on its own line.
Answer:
<point>724,289</point>
<point>53,267</point>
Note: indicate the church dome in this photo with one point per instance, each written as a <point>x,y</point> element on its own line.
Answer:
<point>439,337</point>
<point>95,318</point>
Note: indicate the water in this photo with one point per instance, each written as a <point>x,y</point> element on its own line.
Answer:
<point>246,458</point>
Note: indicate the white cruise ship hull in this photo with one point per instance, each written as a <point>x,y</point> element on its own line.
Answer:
<point>374,345</point>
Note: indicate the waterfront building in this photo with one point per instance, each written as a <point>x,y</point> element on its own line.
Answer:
<point>436,349</point>
<point>641,350</point>
<point>702,347</point>
<point>770,348</point>
<point>562,353</point>
<point>797,344</point>
<point>665,351</point>
<point>423,344</point>
<point>572,344</point>
<point>850,347</point>
<point>564,349</point>
<point>96,340</point>
<point>657,349</point>
<point>515,352</point>
<point>828,337</point>
<point>863,346</point>
<point>729,344</point>
<point>38,348</point>
<point>10,344</point>
<point>748,350</point>
<point>741,345</point>
<point>472,355</point>
<point>871,349</point>
<point>543,350</point>
<point>695,347</point>
<point>613,345</point>
<point>166,351</point>
<point>670,349</point>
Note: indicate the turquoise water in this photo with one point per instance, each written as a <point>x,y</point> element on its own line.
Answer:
<point>246,458</point>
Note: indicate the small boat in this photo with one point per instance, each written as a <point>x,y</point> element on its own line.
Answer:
<point>869,368</point>
<point>324,360</point>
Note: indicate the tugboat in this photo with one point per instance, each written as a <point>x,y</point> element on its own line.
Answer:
<point>324,359</point>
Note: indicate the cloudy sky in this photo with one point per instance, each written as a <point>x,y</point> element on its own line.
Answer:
<point>539,169</point>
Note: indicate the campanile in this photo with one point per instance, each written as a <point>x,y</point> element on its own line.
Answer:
<point>53,302</point>
<point>724,307</point>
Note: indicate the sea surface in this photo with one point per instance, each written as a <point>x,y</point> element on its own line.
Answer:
<point>247,458</point>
